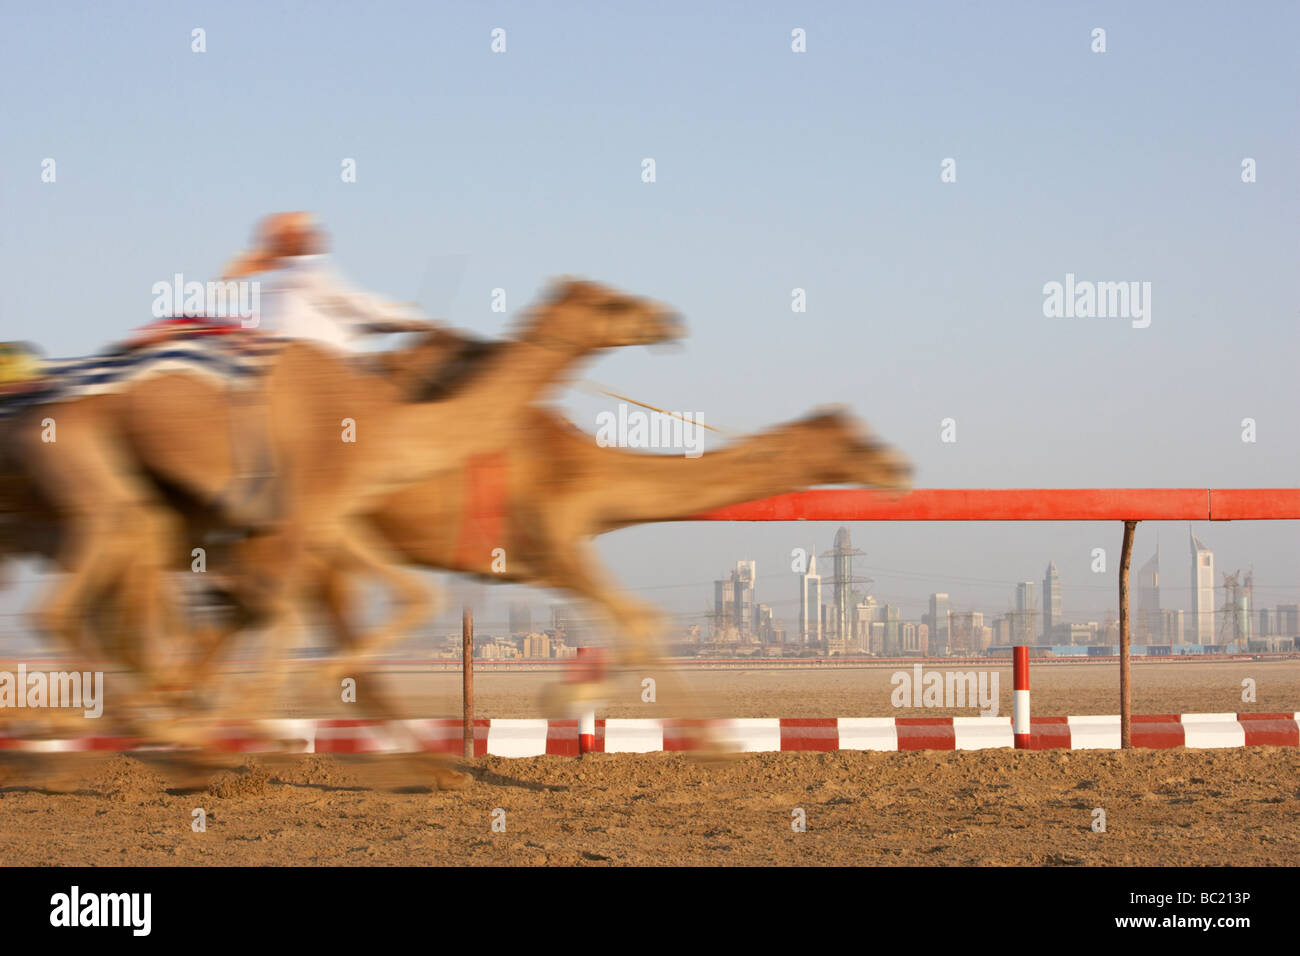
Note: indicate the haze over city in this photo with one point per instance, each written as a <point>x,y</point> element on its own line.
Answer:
<point>924,298</point>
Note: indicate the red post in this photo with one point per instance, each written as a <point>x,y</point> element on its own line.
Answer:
<point>467,678</point>
<point>1125,670</point>
<point>586,717</point>
<point>1020,696</point>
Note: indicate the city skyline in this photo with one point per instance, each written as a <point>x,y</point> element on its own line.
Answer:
<point>964,629</point>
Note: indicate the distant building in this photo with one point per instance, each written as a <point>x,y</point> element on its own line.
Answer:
<point>1003,630</point>
<point>810,604</point>
<point>1202,592</point>
<point>537,646</point>
<point>742,596</point>
<point>891,616</point>
<point>876,643</point>
<point>1026,610</point>
<point>964,635</point>
<point>1265,622</point>
<point>723,598</point>
<point>940,609</point>
<point>1288,620</point>
<point>1149,628</point>
<point>1174,628</point>
<point>1082,633</point>
<point>864,615</point>
<point>1051,600</point>
<point>521,619</point>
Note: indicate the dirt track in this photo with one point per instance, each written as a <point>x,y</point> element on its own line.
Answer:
<point>920,808</point>
<point>988,807</point>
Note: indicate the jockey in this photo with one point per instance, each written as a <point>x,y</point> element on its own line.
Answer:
<point>311,301</point>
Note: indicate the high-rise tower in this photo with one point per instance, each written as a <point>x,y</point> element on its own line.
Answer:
<point>1150,620</point>
<point>842,582</point>
<point>1051,601</point>
<point>1202,624</point>
<point>940,614</point>
<point>810,604</point>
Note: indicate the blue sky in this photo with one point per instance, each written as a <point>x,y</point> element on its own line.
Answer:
<point>775,170</point>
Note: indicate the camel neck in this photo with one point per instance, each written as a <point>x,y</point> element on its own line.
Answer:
<point>671,488</point>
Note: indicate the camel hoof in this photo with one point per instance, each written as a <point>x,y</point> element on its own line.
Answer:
<point>451,780</point>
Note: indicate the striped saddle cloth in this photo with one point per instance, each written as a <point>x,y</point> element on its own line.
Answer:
<point>214,348</point>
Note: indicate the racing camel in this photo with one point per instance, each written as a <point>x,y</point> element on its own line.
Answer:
<point>175,429</point>
<point>541,501</point>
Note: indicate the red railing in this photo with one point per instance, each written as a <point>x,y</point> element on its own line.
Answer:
<point>1129,505</point>
<point>1021,504</point>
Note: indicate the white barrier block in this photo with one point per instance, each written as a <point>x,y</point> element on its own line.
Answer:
<point>65,745</point>
<point>982,733</point>
<point>752,734</point>
<point>294,729</point>
<point>1206,731</point>
<point>1094,732</point>
<point>517,738</point>
<point>868,733</point>
<point>633,735</point>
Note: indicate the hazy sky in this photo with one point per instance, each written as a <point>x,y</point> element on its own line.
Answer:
<point>775,170</point>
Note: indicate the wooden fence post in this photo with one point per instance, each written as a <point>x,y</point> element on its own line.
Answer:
<point>467,678</point>
<point>1125,676</point>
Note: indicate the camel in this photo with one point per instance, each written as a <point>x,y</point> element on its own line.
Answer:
<point>174,429</point>
<point>559,490</point>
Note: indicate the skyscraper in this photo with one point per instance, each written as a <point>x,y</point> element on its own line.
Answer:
<point>1051,601</point>
<point>1202,591</point>
<point>1026,610</point>
<point>1150,622</point>
<point>1287,620</point>
<point>965,631</point>
<point>940,609</point>
<point>810,603</point>
<point>521,619</point>
<point>723,597</point>
<point>840,622</point>
<point>742,600</point>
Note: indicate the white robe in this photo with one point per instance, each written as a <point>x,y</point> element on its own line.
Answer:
<point>311,301</point>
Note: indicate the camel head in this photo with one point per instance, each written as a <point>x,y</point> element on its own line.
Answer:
<point>841,451</point>
<point>586,316</point>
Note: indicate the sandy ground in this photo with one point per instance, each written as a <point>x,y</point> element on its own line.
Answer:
<point>1057,690</point>
<point>1237,807</point>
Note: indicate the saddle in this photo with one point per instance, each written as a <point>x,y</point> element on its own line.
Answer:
<point>196,344</point>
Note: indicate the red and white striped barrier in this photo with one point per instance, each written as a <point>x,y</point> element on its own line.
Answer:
<point>1020,697</point>
<point>535,738</point>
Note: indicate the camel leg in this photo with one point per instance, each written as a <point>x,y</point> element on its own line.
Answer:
<point>419,603</point>
<point>576,568</point>
<point>84,476</point>
<point>417,600</point>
